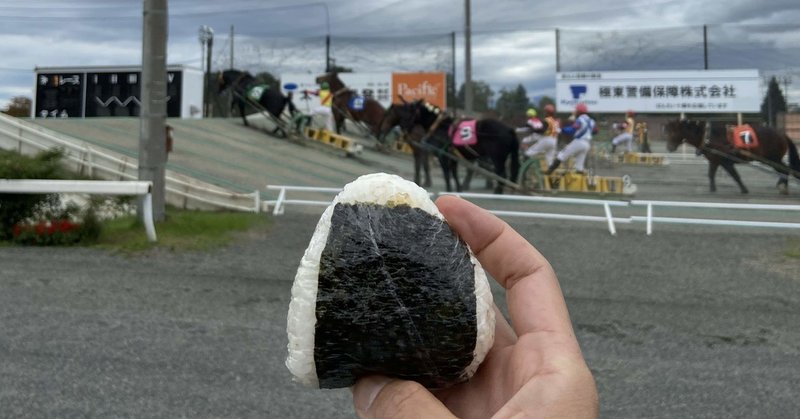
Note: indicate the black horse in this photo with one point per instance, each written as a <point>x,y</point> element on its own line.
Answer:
<point>247,91</point>
<point>712,140</point>
<point>496,142</point>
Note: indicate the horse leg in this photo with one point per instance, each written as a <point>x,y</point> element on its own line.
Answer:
<point>499,170</point>
<point>783,184</point>
<point>241,112</point>
<point>467,179</point>
<point>417,164</point>
<point>712,172</point>
<point>735,175</point>
<point>454,171</point>
<point>446,172</point>
<point>426,166</point>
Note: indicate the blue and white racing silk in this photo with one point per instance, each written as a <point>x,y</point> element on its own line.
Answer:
<point>584,125</point>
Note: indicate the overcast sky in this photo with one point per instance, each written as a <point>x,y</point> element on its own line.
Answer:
<point>514,41</point>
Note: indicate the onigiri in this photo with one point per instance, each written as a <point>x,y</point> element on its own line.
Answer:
<point>386,287</point>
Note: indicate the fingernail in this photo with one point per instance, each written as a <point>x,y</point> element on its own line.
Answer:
<point>366,390</point>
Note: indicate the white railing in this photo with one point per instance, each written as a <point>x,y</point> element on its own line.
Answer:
<point>649,219</point>
<point>279,205</point>
<point>607,217</point>
<point>606,204</point>
<point>181,190</point>
<point>101,187</point>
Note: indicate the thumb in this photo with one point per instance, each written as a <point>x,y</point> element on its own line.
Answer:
<point>381,397</point>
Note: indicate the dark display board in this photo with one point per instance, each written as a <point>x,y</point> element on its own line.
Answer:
<point>59,95</point>
<point>91,94</point>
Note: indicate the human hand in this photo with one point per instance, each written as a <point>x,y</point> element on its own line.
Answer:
<point>534,369</point>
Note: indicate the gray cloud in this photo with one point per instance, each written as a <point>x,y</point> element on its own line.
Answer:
<point>513,40</point>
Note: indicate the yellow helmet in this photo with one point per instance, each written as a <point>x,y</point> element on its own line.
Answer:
<point>531,112</point>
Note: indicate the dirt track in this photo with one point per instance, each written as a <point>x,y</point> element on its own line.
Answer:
<point>689,322</point>
<point>685,323</point>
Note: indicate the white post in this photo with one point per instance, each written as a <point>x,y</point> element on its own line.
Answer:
<point>611,227</point>
<point>257,197</point>
<point>147,214</point>
<point>649,219</point>
<point>278,210</point>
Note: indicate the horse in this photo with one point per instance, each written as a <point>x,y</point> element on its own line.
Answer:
<point>402,115</point>
<point>348,104</point>
<point>712,141</point>
<point>495,141</point>
<point>246,90</point>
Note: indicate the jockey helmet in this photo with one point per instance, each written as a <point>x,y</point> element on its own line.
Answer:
<point>531,112</point>
<point>549,109</point>
<point>631,113</point>
<point>581,108</point>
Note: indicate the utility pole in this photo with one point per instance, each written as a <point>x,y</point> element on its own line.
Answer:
<point>153,119</point>
<point>206,36</point>
<point>467,59</point>
<point>231,66</point>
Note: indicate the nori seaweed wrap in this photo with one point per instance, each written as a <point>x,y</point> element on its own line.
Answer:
<point>386,287</point>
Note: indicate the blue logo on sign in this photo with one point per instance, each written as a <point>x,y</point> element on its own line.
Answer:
<point>578,90</point>
<point>290,86</point>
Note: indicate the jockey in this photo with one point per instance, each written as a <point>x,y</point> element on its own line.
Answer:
<point>626,136</point>
<point>325,103</point>
<point>581,131</point>
<point>544,134</point>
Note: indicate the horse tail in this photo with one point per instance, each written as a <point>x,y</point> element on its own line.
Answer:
<point>514,155</point>
<point>794,159</point>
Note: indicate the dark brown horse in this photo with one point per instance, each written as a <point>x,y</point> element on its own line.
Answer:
<point>402,115</point>
<point>347,104</point>
<point>712,141</point>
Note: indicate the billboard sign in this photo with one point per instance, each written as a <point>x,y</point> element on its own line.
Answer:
<point>429,86</point>
<point>693,91</point>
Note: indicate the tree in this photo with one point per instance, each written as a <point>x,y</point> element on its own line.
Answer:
<point>774,102</point>
<point>20,106</point>
<point>481,93</point>
<point>546,100</point>
<point>512,102</point>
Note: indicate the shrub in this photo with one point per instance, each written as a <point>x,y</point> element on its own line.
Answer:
<point>15,208</point>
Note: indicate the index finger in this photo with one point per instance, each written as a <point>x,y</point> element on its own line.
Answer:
<point>535,301</point>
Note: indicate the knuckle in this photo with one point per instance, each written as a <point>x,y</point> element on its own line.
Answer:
<point>396,400</point>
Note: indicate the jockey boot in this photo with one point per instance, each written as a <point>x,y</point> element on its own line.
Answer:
<point>613,148</point>
<point>553,166</point>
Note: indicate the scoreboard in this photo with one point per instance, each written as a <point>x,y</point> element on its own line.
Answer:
<point>112,91</point>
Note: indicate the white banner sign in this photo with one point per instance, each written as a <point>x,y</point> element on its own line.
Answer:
<point>695,91</point>
<point>375,85</point>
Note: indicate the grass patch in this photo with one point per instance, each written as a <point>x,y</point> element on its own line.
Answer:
<point>793,250</point>
<point>182,230</point>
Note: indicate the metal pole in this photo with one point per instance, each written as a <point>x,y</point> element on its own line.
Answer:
<point>558,58</point>
<point>453,59</point>
<point>328,53</point>
<point>705,47</point>
<point>468,97</point>
<point>231,66</point>
<point>210,108</point>
<point>153,119</point>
